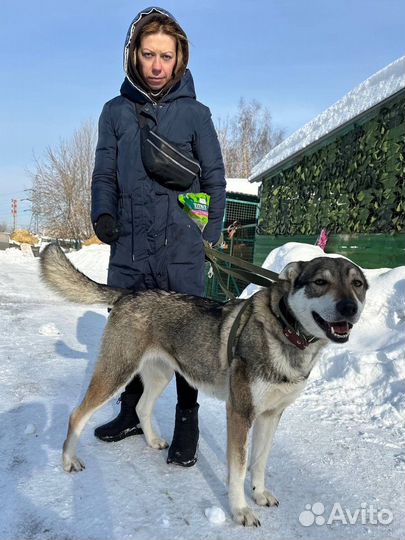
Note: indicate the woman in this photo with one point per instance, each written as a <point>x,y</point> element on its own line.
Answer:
<point>154,244</point>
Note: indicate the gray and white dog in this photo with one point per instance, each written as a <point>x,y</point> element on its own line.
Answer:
<point>278,338</point>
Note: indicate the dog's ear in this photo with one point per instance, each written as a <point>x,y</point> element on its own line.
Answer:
<point>291,272</point>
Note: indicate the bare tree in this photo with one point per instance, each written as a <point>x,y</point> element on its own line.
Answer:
<point>61,189</point>
<point>246,138</point>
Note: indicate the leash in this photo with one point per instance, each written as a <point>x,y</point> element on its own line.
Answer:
<point>243,270</point>
<point>234,329</point>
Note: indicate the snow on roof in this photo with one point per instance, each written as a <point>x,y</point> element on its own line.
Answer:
<point>383,84</point>
<point>241,185</point>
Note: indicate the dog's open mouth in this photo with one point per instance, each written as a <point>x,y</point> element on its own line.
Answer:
<point>336,331</point>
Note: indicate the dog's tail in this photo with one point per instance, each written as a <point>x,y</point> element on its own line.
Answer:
<point>60,274</point>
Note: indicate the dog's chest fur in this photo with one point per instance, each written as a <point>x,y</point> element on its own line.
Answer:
<point>267,396</point>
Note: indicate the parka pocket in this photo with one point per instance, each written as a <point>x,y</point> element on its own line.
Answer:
<point>185,242</point>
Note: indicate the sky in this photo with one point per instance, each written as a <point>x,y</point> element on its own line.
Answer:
<point>62,61</point>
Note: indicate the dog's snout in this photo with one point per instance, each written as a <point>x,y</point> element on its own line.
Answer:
<point>347,308</point>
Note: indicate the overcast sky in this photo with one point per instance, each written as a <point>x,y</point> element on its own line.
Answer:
<point>60,61</point>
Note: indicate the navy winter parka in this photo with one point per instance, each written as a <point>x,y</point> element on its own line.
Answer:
<point>159,245</point>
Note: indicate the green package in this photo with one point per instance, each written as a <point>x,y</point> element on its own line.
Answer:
<point>196,206</point>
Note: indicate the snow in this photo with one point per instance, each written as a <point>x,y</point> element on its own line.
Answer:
<point>215,515</point>
<point>341,442</point>
<point>372,91</point>
<point>241,185</point>
<point>49,329</point>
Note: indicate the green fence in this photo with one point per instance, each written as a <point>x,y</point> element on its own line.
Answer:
<point>240,244</point>
<point>366,250</point>
<point>239,236</point>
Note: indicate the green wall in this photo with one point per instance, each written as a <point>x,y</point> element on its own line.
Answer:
<point>366,250</point>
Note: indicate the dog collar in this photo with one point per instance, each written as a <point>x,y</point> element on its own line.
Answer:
<point>292,329</point>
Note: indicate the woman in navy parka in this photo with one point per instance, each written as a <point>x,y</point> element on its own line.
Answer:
<point>154,244</point>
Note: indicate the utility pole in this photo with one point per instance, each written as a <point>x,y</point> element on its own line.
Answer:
<point>34,211</point>
<point>14,212</point>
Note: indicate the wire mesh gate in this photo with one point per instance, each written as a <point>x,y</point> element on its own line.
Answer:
<point>239,236</point>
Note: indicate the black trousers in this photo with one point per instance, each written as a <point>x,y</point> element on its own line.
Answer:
<point>186,394</point>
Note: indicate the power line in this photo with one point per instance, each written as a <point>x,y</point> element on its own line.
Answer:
<point>12,193</point>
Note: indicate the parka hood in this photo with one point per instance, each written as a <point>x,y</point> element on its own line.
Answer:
<point>133,79</point>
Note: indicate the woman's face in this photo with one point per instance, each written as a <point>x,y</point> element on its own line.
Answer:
<point>157,59</point>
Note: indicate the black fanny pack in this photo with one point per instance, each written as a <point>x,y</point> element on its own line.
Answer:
<point>163,160</point>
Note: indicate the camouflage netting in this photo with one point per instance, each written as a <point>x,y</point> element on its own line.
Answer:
<point>353,184</point>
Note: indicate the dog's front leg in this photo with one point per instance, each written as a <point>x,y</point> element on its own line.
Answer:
<point>263,433</point>
<point>238,430</point>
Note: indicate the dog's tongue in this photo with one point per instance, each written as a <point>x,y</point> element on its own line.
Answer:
<point>340,327</point>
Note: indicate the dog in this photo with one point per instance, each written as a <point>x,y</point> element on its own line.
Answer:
<point>278,335</point>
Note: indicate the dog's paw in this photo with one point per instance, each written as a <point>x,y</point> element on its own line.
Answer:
<point>158,443</point>
<point>245,516</point>
<point>73,464</point>
<point>265,498</point>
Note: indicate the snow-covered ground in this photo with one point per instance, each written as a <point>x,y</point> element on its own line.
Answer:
<point>338,453</point>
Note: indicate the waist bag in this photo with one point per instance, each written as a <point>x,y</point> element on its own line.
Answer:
<point>163,160</point>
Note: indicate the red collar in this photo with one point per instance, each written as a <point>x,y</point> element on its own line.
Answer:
<point>292,329</point>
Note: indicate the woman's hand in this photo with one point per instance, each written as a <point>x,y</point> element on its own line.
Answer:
<point>106,229</point>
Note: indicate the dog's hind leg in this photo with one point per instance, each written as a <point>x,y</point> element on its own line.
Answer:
<point>156,375</point>
<point>263,433</point>
<point>238,430</point>
<point>116,366</point>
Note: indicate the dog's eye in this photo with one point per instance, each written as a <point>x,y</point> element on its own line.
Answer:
<point>357,283</point>
<point>320,282</point>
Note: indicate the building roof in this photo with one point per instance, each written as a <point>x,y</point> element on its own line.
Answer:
<point>241,185</point>
<point>377,88</point>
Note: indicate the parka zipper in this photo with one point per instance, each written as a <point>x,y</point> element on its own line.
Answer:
<point>132,229</point>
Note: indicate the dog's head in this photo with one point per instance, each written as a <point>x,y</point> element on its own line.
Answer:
<point>326,295</point>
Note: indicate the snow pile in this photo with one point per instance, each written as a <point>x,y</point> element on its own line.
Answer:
<point>14,255</point>
<point>215,515</point>
<point>372,91</point>
<point>369,370</point>
<point>92,261</point>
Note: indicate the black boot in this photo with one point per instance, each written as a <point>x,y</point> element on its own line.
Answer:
<point>125,424</point>
<point>183,450</point>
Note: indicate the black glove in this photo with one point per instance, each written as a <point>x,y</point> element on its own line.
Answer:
<point>106,229</point>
